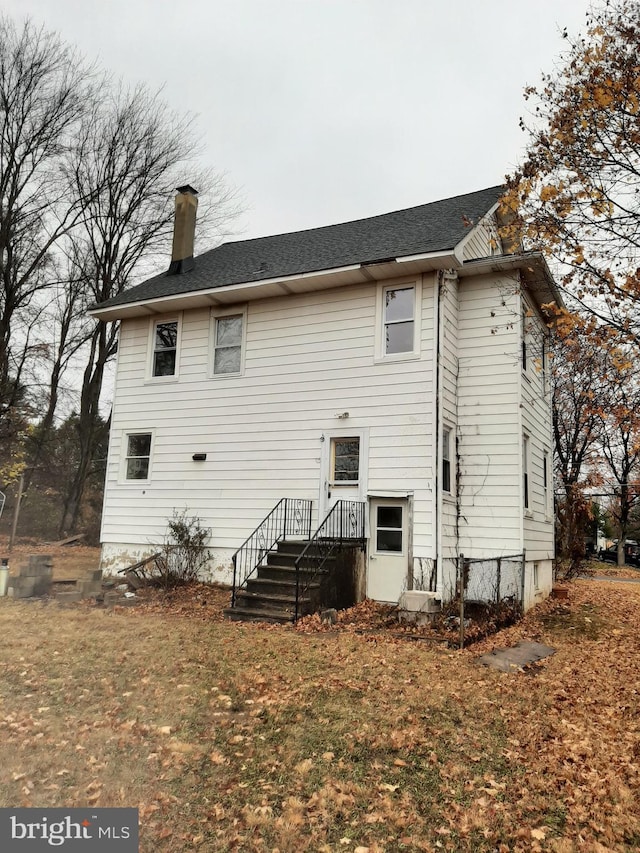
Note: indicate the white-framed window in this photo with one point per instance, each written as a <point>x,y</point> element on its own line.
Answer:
<point>345,461</point>
<point>536,576</point>
<point>398,330</point>
<point>526,485</point>
<point>446,459</point>
<point>545,481</point>
<point>228,332</point>
<point>524,356</point>
<point>165,344</point>
<point>137,460</point>
<point>544,359</point>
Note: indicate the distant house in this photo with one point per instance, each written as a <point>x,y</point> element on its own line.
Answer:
<point>397,363</point>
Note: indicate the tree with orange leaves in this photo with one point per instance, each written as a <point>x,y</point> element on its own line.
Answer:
<point>577,195</point>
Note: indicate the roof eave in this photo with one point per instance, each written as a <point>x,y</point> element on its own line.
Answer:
<point>532,265</point>
<point>318,280</point>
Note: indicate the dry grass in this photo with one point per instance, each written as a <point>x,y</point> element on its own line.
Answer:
<point>242,737</point>
<point>69,561</point>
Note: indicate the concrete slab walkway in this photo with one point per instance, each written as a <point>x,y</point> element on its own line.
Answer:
<point>517,657</point>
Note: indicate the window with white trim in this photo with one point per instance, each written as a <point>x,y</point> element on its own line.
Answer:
<point>536,576</point>
<point>138,456</point>
<point>399,319</point>
<point>165,348</point>
<point>227,344</point>
<point>446,460</point>
<point>525,471</point>
<point>545,481</point>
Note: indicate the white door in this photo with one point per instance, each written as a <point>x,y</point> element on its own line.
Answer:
<point>342,476</point>
<point>388,563</point>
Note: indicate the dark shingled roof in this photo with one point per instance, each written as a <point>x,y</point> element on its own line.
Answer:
<point>433,227</point>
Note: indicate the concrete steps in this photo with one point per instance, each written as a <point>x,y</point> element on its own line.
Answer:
<point>270,595</point>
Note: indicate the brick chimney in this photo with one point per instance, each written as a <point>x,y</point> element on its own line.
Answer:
<point>184,229</point>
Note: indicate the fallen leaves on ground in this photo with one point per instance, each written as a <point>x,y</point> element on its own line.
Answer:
<point>240,737</point>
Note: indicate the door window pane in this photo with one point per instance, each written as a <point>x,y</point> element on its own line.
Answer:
<point>390,516</point>
<point>389,540</point>
<point>389,529</point>
<point>346,460</point>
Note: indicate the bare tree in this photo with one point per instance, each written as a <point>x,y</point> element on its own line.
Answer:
<point>44,88</point>
<point>132,153</point>
<point>87,172</point>
<point>579,376</point>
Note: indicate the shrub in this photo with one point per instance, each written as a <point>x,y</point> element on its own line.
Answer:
<point>184,552</point>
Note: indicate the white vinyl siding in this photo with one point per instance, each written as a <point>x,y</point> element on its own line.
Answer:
<point>536,424</point>
<point>307,358</point>
<point>483,241</point>
<point>489,429</point>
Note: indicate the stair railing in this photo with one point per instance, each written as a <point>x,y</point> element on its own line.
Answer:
<point>344,523</point>
<point>289,517</point>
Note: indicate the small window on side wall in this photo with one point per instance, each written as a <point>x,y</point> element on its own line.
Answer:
<point>446,460</point>
<point>165,348</point>
<point>228,334</point>
<point>138,456</point>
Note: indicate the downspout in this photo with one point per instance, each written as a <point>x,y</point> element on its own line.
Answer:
<point>437,319</point>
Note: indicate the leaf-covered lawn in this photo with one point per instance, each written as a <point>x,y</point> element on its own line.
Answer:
<point>242,737</point>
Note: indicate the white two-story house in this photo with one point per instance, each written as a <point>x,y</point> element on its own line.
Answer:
<point>397,362</point>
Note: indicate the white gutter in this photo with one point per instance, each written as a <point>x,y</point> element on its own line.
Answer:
<point>282,285</point>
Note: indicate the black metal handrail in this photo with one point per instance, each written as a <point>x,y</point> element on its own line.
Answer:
<point>289,517</point>
<point>344,523</point>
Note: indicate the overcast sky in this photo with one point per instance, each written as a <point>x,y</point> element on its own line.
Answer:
<point>322,111</point>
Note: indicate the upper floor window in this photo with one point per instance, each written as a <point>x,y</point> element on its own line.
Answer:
<point>228,335</point>
<point>523,342</point>
<point>399,319</point>
<point>165,348</point>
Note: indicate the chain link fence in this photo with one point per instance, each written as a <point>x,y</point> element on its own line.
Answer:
<point>489,588</point>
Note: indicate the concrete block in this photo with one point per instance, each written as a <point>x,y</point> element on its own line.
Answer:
<point>89,588</point>
<point>69,596</point>
<point>39,565</point>
<point>21,587</point>
<point>41,586</point>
